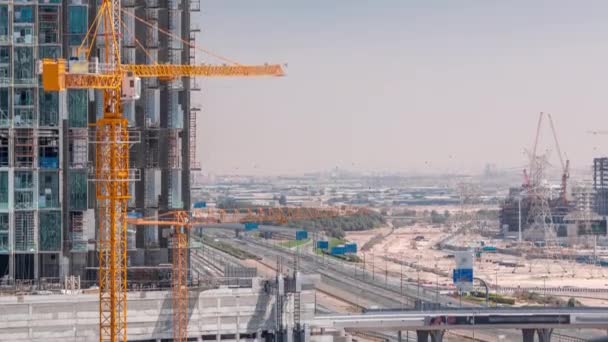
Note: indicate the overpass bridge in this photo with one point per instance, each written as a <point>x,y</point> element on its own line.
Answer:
<point>434,323</point>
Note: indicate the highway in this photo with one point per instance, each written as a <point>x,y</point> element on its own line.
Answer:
<point>359,286</point>
<point>389,292</point>
<point>469,318</point>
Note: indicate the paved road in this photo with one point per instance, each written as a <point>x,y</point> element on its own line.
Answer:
<point>358,284</point>
<point>470,318</point>
<point>350,277</point>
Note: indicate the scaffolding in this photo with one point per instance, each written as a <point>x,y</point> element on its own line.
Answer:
<point>194,165</point>
<point>48,189</point>
<point>24,190</point>
<point>48,24</point>
<point>173,149</point>
<point>152,149</point>
<point>24,147</point>
<point>77,223</point>
<point>24,114</point>
<point>4,148</point>
<point>25,239</point>
<point>31,135</point>
<point>78,148</point>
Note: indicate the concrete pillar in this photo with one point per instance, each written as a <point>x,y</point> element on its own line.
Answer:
<point>528,335</point>
<point>544,335</point>
<point>437,335</point>
<point>422,335</point>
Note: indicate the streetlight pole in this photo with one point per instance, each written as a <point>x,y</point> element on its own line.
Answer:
<point>385,271</point>
<point>436,283</point>
<point>418,272</point>
<point>373,268</point>
<point>364,266</point>
<point>545,291</point>
<point>496,291</point>
<point>401,275</point>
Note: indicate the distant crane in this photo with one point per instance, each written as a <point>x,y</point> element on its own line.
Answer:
<point>565,165</point>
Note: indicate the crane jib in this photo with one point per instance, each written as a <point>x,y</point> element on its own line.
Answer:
<point>57,76</point>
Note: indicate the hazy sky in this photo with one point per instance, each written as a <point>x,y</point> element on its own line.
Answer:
<point>402,85</point>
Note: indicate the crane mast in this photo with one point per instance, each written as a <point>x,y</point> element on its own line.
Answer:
<point>112,190</point>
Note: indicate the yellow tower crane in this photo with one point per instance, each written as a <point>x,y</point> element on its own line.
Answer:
<point>182,221</point>
<point>119,83</point>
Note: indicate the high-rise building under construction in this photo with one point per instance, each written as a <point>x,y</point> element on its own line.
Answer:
<point>47,194</point>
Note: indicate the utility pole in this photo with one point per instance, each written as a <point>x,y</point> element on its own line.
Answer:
<point>496,291</point>
<point>385,271</point>
<point>401,275</point>
<point>436,283</point>
<point>373,268</point>
<point>364,268</point>
<point>545,290</point>
<point>418,272</point>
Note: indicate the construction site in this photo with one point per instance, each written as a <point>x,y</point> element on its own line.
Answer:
<point>102,239</point>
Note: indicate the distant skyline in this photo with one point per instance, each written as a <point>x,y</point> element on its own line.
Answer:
<point>402,86</point>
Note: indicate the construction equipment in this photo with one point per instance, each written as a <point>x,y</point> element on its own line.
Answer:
<point>565,165</point>
<point>539,219</point>
<point>119,83</point>
<point>182,221</point>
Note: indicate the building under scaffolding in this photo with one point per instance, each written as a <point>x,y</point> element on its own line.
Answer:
<point>31,174</point>
<point>47,217</point>
<point>600,185</point>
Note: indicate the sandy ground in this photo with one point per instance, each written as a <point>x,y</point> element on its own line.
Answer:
<point>553,272</point>
<point>362,237</point>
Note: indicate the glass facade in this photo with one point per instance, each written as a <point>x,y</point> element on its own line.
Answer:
<point>78,108</point>
<point>50,230</point>
<point>77,23</point>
